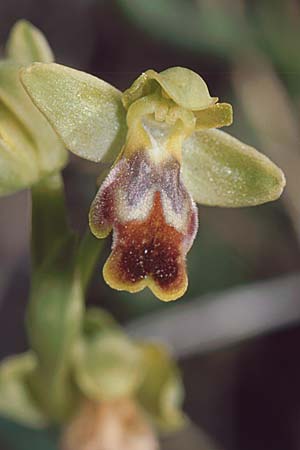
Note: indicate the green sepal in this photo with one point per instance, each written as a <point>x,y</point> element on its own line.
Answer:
<point>106,363</point>
<point>86,112</point>
<point>16,400</point>
<point>185,87</point>
<point>219,170</point>
<point>31,149</point>
<point>161,391</point>
<point>16,169</point>
<point>26,44</point>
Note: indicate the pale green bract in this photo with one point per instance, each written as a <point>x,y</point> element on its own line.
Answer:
<point>219,170</point>
<point>85,111</point>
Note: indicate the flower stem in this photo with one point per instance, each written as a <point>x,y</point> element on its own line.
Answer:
<point>56,306</point>
<point>49,219</point>
<point>89,251</point>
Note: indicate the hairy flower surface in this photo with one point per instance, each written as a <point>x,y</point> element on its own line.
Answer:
<point>161,136</point>
<point>153,217</point>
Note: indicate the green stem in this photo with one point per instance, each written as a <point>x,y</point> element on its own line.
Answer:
<point>61,271</point>
<point>56,306</point>
<point>49,219</point>
<point>89,251</point>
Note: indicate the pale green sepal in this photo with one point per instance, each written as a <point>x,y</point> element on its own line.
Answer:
<point>161,391</point>
<point>86,112</point>
<point>219,170</point>
<point>185,87</point>
<point>16,172</point>
<point>26,44</point>
<point>26,130</point>
<point>107,365</point>
<point>216,116</point>
<point>16,402</point>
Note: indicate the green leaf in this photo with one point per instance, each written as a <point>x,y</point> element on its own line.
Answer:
<point>16,401</point>
<point>219,170</point>
<point>26,44</point>
<point>161,392</point>
<point>20,437</point>
<point>107,365</point>
<point>86,112</point>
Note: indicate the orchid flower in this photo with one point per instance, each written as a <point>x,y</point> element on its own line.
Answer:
<point>167,155</point>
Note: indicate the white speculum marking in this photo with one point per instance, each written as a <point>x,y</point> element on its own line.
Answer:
<point>147,172</point>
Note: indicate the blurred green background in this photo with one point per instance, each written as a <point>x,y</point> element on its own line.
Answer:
<point>238,334</point>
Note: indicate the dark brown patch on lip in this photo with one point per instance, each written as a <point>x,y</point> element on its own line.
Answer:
<point>149,248</point>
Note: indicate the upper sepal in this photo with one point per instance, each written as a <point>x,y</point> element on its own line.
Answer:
<point>86,112</point>
<point>185,87</point>
<point>219,170</point>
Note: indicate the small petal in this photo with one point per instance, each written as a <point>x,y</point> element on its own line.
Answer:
<point>216,116</point>
<point>26,44</point>
<point>219,170</point>
<point>86,112</point>
<point>185,87</point>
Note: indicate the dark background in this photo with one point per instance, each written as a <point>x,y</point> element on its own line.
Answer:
<point>242,389</point>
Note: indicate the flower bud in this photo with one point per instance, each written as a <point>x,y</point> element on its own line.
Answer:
<point>116,425</point>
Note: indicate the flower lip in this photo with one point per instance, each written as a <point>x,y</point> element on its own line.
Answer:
<point>154,221</point>
<point>148,253</point>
